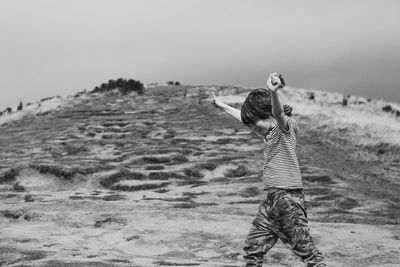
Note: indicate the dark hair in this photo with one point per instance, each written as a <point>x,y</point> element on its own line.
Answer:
<point>257,106</point>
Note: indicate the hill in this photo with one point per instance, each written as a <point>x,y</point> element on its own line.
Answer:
<point>165,179</point>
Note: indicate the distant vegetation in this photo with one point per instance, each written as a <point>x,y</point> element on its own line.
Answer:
<point>173,83</point>
<point>123,85</point>
<point>389,109</point>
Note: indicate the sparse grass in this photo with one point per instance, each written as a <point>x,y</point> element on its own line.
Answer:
<point>58,171</point>
<point>192,205</point>
<point>12,214</point>
<point>164,175</point>
<point>194,183</point>
<point>318,179</point>
<point>317,191</point>
<point>194,194</point>
<point>108,220</point>
<point>240,171</point>
<point>109,181</point>
<point>140,187</point>
<point>227,159</point>
<point>220,180</point>
<point>249,192</point>
<point>9,175</point>
<point>161,191</point>
<point>278,256</point>
<point>178,199</point>
<point>115,123</point>
<point>84,197</point>
<point>210,166</point>
<point>91,134</point>
<point>223,141</point>
<point>363,124</point>
<point>108,136</point>
<point>346,203</point>
<point>156,160</point>
<point>168,263</point>
<point>169,134</point>
<point>19,188</point>
<point>178,159</point>
<point>155,167</point>
<point>186,205</point>
<point>72,149</point>
<point>329,197</point>
<point>254,201</point>
<point>114,197</point>
<point>193,173</point>
<point>383,148</point>
<point>172,160</point>
<point>134,176</point>
<point>173,150</point>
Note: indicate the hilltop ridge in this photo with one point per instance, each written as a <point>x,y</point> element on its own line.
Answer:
<point>109,168</point>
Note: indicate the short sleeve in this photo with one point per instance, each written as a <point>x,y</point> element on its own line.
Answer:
<point>293,127</point>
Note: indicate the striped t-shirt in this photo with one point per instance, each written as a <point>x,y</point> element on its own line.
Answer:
<point>281,167</point>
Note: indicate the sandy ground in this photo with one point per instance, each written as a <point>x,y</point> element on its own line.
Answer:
<point>139,232</point>
<point>152,181</point>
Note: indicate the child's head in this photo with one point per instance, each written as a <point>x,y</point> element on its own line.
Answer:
<point>257,106</point>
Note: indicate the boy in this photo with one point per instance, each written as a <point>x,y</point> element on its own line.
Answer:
<point>282,212</point>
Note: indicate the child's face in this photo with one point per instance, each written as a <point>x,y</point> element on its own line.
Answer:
<point>263,126</point>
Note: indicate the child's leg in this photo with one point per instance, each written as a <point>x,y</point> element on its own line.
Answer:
<point>295,230</point>
<point>260,239</point>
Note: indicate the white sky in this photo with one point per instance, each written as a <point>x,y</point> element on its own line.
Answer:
<point>59,47</point>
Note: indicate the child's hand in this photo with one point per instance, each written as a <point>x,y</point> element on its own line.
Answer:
<point>275,82</point>
<point>215,101</point>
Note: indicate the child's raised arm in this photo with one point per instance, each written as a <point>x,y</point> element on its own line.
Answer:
<point>231,111</point>
<point>273,84</point>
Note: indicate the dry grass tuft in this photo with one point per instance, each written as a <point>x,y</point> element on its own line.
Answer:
<point>109,181</point>
<point>240,171</point>
<point>9,175</point>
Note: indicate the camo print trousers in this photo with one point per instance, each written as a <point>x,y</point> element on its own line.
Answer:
<point>282,214</point>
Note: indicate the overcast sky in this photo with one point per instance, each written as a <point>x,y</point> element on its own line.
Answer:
<point>60,47</point>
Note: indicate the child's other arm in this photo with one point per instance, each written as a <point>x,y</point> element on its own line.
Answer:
<point>273,84</point>
<point>231,111</point>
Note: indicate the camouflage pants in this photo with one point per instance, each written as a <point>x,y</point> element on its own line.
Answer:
<point>282,214</point>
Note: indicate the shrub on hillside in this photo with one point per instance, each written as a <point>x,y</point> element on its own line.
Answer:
<point>123,85</point>
<point>173,83</point>
<point>389,109</point>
